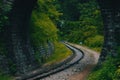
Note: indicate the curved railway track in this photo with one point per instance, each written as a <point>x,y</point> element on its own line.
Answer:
<point>78,55</point>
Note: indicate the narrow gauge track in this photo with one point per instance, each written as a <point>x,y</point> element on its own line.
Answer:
<point>78,55</point>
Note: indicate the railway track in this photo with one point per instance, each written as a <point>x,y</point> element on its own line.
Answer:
<point>76,57</point>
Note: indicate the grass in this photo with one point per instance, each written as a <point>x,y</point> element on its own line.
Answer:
<point>5,77</point>
<point>61,52</point>
<point>97,49</point>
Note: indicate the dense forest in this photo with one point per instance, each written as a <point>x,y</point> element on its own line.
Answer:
<point>82,23</point>
<point>48,23</point>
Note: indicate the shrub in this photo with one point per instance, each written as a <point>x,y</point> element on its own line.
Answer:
<point>61,52</point>
<point>95,42</point>
<point>106,71</point>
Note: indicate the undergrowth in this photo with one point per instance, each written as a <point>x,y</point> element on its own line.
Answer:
<point>5,77</point>
<point>109,70</point>
<point>61,52</point>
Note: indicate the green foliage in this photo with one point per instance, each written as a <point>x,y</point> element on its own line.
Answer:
<point>43,19</point>
<point>48,7</point>
<point>105,72</point>
<point>109,70</point>
<point>61,52</point>
<point>69,30</point>
<point>88,28</point>
<point>90,20</point>
<point>43,28</point>
<point>116,75</point>
<point>5,77</point>
<point>95,42</point>
<point>69,9</point>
